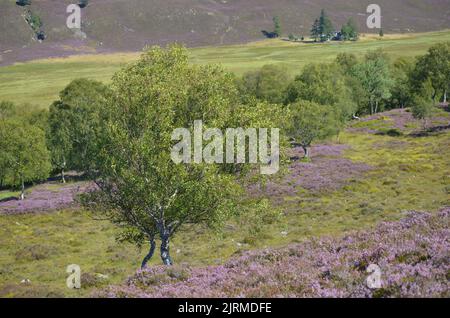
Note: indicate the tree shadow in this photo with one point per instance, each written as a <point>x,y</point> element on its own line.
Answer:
<point>430,131</point>
<point>269,34</point>
<point>7,199</point>
<point>445,107</point>
<point>393,132</point>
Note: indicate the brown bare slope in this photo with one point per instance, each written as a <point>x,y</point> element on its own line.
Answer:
<point>118,25</point>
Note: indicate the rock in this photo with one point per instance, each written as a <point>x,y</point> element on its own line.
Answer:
<point>102,276</point>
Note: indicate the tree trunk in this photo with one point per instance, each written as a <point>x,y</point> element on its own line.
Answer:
<point>63,177</point>
<point>150,254</point>
<point>165,253</point>
<point>306,150</point>
<point>376,107</point>
<point>445,96</point>
<point>22,192</point>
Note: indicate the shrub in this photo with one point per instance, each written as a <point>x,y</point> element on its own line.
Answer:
<point>83,3</point>
<point>23,2</point>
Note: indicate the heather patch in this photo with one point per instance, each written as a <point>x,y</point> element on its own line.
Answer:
<point>412,254</point>
<point>43,198</point>
<point>326,171</point>
<point>397,122</point>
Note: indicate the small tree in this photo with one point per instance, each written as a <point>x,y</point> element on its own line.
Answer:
<point>276,26</point>
<point>24,153</point>
<point>375,78</point>
<point>267,84</point>
<point>401,89</point>
<point>6,111</point>
<point>422,108</point>
<point>422,103</point>
<point>349,31</point>
<point>59,136</point>
<point>74,127</point>
<point>140,188</point>
<point>311,121</point>
<point>326,28</point>
<point>315,30</point>
<point>435,67</point>
<point>320,83</point>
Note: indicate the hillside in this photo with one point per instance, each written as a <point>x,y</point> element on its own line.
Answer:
<point>23,82</point>
<point>129,25</point>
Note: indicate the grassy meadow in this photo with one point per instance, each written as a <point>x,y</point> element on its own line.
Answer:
<point>407,172</point>
<point>39,82</point>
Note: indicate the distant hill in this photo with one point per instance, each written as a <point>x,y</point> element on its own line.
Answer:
<point>129,25</point>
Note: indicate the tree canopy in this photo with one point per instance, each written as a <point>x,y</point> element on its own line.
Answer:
<point>276,26</point>
<point>24,156</point>
<point>349,31</point>
<point>268,83</point>
<point>311,121</point>
<point>375,78</point>
<point>74,125</point>
<point>434,66</point>
<point>324,84</point>
<point>140,187</point>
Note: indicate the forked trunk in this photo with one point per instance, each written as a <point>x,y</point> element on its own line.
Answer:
<point>150,254</point>
<point>165,253</point>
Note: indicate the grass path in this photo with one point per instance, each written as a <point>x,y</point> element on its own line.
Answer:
<point>39,82</point>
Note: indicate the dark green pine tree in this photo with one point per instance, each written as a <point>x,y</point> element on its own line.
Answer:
<point>349,31</point>
<point>315,31</point>
<point>354,34</point>
<point>326,27</point>
<point>276,26</point>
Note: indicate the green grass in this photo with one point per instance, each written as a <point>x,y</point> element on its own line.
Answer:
<point>39,82</point>
<point>8,194</point>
